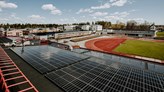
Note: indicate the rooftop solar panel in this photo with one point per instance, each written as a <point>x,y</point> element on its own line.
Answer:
<point>129,61</point>
<point>99,76</point>
<point>47,58</point>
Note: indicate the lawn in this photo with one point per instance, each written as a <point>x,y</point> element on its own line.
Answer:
<point>160,34</point>
<point>142,48</point>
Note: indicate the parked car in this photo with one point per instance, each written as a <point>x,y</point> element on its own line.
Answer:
<point>14,43</point>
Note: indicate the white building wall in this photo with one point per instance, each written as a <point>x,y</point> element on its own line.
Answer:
<point>69,28</point>
<point>18,33</point>
<point>85,27</point>
<point>97,27</point>
<point>71,34</point>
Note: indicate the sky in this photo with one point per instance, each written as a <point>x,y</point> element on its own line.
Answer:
<point>76,11</point>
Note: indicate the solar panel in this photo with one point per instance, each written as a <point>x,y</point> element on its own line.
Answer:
<point>129,61</point>
<point>47,58</point>
<point>90,75</point>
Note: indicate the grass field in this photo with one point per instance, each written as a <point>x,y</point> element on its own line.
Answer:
<point>142,48</point>
<point>160,34</point>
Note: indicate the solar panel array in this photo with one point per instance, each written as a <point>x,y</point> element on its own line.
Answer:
<point>129,61</point>
<point>74,72</point>
<point>47,58</point>
<point>91,76</point>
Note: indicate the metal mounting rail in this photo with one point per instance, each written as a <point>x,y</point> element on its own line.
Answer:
<point>11,78</point>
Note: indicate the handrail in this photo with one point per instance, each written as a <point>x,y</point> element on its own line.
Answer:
<point>6,67</point>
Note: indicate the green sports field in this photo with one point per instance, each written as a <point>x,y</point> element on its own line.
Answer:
<point>160,34</point>
<point>142,48</point>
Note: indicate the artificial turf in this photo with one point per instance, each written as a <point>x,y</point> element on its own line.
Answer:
<point>142,48</point>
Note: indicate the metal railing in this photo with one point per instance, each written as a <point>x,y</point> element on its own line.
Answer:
<point>11,78</point>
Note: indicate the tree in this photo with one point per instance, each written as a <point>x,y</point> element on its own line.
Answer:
<point>105,24</point>
<point>131,25</point>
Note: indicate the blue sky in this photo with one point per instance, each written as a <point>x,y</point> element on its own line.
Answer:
<point>71,11</point>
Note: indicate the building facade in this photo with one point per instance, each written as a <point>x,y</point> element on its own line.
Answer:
<point>96,28</point>
<point>17,33</point>
<point>86,27</point>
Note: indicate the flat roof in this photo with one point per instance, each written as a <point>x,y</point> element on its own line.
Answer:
<point>152,66</point>
<point>70,71</point>
<point>38,80</point>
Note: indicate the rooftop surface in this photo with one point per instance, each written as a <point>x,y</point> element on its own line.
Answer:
<point>37,79</point>
<point>72,72</point>
<point>142,64</point>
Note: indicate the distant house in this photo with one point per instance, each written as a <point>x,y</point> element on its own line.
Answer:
<point>152,27</point>
<point>160,27</point>
<point>70,27</point>
<point>2,32</point>
<point>71,34</point>
<point>60,28</point>
<point>86,27</point>
<point>96,28</point>
<point>15,32</point>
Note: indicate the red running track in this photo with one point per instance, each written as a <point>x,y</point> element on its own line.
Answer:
<point>104,44</point>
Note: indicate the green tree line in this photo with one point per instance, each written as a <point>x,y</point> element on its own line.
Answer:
<point>130,25</point>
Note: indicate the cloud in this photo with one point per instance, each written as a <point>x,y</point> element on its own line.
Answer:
<point>104,6</point>
<point>119,2</point>
<point>65,19</point>
<point>48,7</point>
<point>137,19</point>
<point>36,17</point>
<point>99,14</point>
<point>121,14</point>
<point>84,11</point>
<point>117,15</point>
<point>12,18</point>
<point>5,5</point>
<point>111,3</point>
<point>4,19</point>
<point>52,8</point>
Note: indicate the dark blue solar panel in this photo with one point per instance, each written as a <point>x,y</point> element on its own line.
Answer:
<point>76,73</point>
<point>47,58</point>
<point>90,75</point>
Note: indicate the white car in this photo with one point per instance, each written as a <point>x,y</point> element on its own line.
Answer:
<point>14,43</point>
<point>10,44</point>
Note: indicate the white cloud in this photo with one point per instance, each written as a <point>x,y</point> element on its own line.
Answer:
<point>104,6</point>
<point>84,11</point>
<point>119,3</point>
<point>56,12</point>
<point>36,17</point>
<point>5,5</point>
<point>65,19</point>
<point>113,17</point>
<point>4,19</point>
<point>121,14</point>
<point>52,8</point>
<point>13,16</point>
<point>99,14</point>
<point>117,15</point>
<point>112,1</point>
<point>48,7</point>
<point>137,19</point>
<point>74,19</point>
